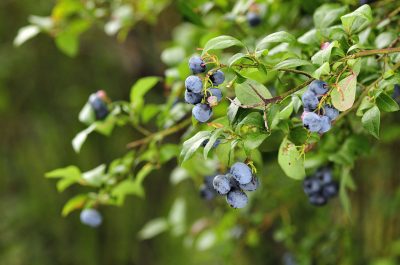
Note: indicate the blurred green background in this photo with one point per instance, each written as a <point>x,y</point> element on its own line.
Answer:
<point>41,94</point>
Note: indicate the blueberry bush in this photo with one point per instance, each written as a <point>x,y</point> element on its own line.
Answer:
<point>247,84</point>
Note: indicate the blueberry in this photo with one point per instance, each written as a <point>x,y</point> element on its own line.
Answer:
<point>324,175</point>
<point>396,93</point>
<point>252,185</point>
<point>194,84</point>
<point>215,92</point>
<point>310,100</point>
<point>317,199</point>
<point>363,2</point>
<point>91,217</point>
<point>208,181</point>
<point>311,186</point>
<point>222,184</point>
<point>331,112</point>
<point>99,106</point>
<point>253,19</point>
<point>202,112</point>
<point>215,145</point>
<point>217,78</point>
<point>312,121</point>
<point>325,124</point>
<point>241,173</point>
<point>193,98</point>
<point>206,193</point>
<point>237,199</point>
<point>330,190</point>
<point>197,65</point>
<point>318,87</point>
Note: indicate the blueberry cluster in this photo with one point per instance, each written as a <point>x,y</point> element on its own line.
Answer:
<point>321,187</point>
<point>91,217</point>
<point>98,102</point>
<point>234,184</point>
<point>321,121</point>
<point>204,101</point>
<point>207,191</point>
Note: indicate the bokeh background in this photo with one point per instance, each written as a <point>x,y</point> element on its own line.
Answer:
<point>41,93</point>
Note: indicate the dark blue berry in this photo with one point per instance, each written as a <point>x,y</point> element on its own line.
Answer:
<point>91,217</point>
<point>215,92</point>
<point>324,175</point>
<point>317,199</point>
<point>99,106</point>
<point>311,186</point>
<point>207,193</point>
<point>237,198</point>
<point>310,100</point>
<point>330,190</point>
<point>222,184</point>
<point>241,173</point>
<point>215,145</point>
<point>331,112</point>
<point>194,84</point>
<point>318,87</point>
<point>252,185</point>
<point>202,112</point>
<point>312,121</point>
<point>253,19</point>
<point>197,65</point>
<point>193,98</point>
<point>217,78</point>
<point>325,124</point>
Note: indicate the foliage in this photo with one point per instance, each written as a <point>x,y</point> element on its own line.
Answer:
<point>266,75</point>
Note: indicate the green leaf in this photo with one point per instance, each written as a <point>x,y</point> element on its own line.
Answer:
<point>186,8</point>
<point>233,109</point>
<point>126,187</point>
<point>214,136</point>
<point>66,182</point>
<point>26,33</point>
<point>75,203</point>
<point>324,55</point>
<point>386,103</point>
<point>95,176</point>
<point>68,43</point>
<point>221,42</point>
<point>371,121</point>
<point>70,171</point>
<point>348,87</point>
<point>277,37</point>
<point>290,160</point>
<point>153,228</point>
<point>139,90</point>
<point>324,69</point>
<point>87,114</point>
<point>358,20</point>
<point>254,140</point>
<point>291,63</point>
<point>80,138</point>
<point>327,14</point>
<point>177,217</point>
<point>191,145</point>
<point>246,94</point>
<point>236,57</point>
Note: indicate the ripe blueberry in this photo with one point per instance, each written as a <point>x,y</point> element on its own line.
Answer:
<point>99,105</point>
<point>325,124</point>
<point>317,199</point>
<point>91,217</point>
<point>311,121</point>
<point>324,175</point>
<point>197,65</point>
<point>215,92</point>
<point>331,112</point>
<point>215,145</point>
<point>252,185</point>
<point>241,173</point>
<point>237,199</point>
<point>217,78</point>
<point>310,100</point>
<point>202,112</point>
<point>222,184</point>
<point>311,186</point>
<point>206,193</point>
<point>194,84</point>
<point>318,87</point>
<point>193,98</point>
<point>253,19</point>
<point>330,190</point>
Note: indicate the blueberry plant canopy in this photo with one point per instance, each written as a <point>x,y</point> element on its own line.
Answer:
<point>267,68</point>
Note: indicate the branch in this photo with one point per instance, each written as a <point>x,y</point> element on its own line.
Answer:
<point>372,52</point>
<point>295,71</point>
<point>160,134</point>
